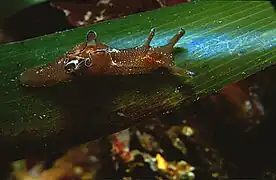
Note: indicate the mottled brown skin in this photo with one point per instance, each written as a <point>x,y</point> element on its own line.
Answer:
<point>96,59</point>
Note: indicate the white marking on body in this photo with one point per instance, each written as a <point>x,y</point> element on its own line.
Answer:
<point>113,50</point>
<point>114,64</point>
<point>74,62</point>
<point>79,57</point>
<point>88,51</point>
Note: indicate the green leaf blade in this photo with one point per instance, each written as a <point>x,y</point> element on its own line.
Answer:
<point>225,42</point>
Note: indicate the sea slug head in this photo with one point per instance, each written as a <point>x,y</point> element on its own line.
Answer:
<point>75,62</point>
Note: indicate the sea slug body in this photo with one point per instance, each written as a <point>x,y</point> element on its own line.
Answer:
<point>93,58</point>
